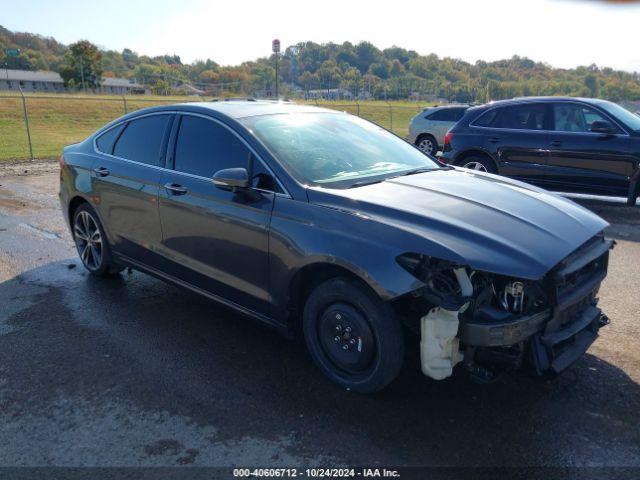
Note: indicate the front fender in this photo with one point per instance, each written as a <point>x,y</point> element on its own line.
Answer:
<point>303,234</point>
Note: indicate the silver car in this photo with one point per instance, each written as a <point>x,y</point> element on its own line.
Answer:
<point>428,128</point>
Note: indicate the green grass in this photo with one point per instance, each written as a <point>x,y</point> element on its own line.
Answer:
<point>393,115</point>
<point>56,122</point>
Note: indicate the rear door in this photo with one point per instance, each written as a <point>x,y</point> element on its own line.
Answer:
<point>217,240</point>
<point>517,135</point>
<point>583,160</point>
<point>126,180</point>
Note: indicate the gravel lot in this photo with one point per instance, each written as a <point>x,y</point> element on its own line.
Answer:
<point>135,372</point>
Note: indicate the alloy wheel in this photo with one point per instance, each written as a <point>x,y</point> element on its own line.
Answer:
<point>475,166</point>
<point>426,145</point>
<point>88,240</point>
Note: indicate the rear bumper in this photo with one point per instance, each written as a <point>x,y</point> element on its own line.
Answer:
<point>446,158</point>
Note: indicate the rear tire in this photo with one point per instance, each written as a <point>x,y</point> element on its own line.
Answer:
<point>92,244</point>
<point>352,335</point>
<point>478,163</point>
<point>427,143</point>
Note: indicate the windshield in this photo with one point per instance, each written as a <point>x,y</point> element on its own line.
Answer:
<point>625,116</point>
<point>336,150</point>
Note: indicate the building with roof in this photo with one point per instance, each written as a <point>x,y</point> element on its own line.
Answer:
<point>51,82</point>
<point>121,86</point>
<point>187,89</point>
<point>31,81</point>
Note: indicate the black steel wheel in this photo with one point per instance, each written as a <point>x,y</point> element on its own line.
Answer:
<point>352,335</point>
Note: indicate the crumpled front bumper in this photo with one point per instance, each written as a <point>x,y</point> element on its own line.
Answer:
<point>558,336</point>
<point>550,352</point>
<point>554,352</point>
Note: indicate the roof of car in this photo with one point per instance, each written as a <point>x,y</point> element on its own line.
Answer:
<point>449,105</point>
<point>544,99</point>
<point>249,108</point>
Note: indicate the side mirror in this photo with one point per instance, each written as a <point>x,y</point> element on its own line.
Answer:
<point>231,178</point>
<point>602,126</point>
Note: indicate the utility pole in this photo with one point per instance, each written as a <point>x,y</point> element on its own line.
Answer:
<point>275,47</point>
<point>84,88</point>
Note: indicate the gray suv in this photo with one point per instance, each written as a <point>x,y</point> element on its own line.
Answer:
<point>428,128</point>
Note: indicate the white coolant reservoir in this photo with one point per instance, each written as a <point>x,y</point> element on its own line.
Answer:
<point>439,346</point>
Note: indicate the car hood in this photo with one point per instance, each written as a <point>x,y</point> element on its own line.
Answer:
<point>487,222</point>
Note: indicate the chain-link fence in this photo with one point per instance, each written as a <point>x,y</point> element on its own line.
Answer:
<point>39,126</point>
<point>392,116</point>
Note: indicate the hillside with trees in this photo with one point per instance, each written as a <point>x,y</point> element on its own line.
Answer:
<point>363,69</point>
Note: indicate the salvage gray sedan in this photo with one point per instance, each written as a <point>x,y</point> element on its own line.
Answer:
<point>321,224</point>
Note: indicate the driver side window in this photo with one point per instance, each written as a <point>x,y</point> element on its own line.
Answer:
<point>203,147</point>
<point>571,117</point>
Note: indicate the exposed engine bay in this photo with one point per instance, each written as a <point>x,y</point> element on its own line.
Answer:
<point>493,324</point>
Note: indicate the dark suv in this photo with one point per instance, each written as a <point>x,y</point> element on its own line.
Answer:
<point>568,144</point>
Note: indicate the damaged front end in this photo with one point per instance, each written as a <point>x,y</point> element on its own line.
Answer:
<point>491,323</point>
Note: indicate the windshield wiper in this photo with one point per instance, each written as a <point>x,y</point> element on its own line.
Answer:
<point>362,183</point>
<point>417,170</point>
<point>424,170</point>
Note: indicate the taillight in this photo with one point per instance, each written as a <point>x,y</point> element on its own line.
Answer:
<point>447,139</point>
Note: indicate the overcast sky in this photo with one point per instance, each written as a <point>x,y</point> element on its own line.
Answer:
<point>563,33</point>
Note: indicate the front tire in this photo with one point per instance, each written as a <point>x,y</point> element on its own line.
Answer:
<point>92,244</point>
<point>352,335</point>
<point>479,164</point>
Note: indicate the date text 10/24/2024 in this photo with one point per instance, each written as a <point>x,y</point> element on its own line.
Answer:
<point>315,473</point>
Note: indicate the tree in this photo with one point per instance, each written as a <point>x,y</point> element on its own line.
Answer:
<point>351,80</point>
<point>83,66</point>
<point>397,69</point>
<point>591,82</point>
<point>329,75</point>
<point>308,80</point>
<point>366,54</point>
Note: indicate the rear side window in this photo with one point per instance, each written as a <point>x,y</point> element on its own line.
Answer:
<point>141,140</point>
<point>447,115</point>
<point>104,142</point>
<point>521,117</point>
<point>486,119</point>
<point>459,113</point>
<point>203,147</point>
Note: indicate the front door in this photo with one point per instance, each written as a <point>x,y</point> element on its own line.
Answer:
<point>581,160</point>
<point>215,239</point>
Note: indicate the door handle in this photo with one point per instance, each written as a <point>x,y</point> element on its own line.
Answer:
<point>175,189</point>
<point>494,139</point>
<point>556,143</point>
<point>101,171</point>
